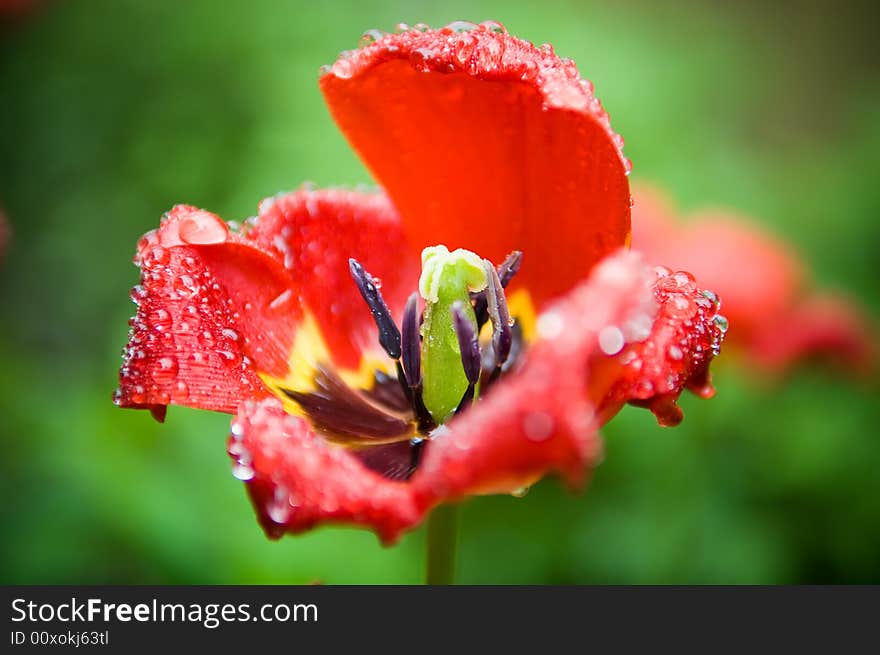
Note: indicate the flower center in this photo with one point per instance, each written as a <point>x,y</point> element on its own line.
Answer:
<point>440,362</point>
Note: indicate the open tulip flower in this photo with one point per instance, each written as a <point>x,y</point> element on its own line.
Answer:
<point>778,318</point>
<point>464,332</point>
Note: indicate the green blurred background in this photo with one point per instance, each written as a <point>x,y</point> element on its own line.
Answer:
<point>111,111</point>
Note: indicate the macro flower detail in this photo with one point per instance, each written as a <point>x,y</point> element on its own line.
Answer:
<point>467,333</point>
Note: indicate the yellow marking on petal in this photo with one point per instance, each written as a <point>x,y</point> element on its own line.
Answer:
<point>364,377</point>
<point>308,353</point>
<point>523,310</point>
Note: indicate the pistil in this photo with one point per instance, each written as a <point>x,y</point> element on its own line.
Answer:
<point>447,280</point>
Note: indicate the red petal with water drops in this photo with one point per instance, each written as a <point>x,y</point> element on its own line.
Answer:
<point>756,274</point>
<point>774,315</point>
<point>216,307</point>
<point>189,344</point>
<point>296,479</point>
<point>313,234</point>
<point>670,347</point>
<point>486,142</point>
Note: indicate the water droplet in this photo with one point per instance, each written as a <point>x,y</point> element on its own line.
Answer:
<point>611,340</point>
<point>519,493</point>
<point>370,37</point>
<point>186,286</point>
<point>538,426</point>
<point>493,26</point>
<point>138,293</point>
<point>675,353</point>
<point>167,368</point>
<point>229,333</point>
<point>721,323</point>
<point>680,307</point>
<point>281,299</point>
<point>243,472</point>
<point>202,228</point>
<point>550,325</point>
<point>342,68</point>
<point>157,256</point>
<point>460,26</point>
<point>278,509</point>
<point>420,59</point>
<point>160,319</point>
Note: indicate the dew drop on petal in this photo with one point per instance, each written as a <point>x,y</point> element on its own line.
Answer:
<point>538,426</point>
<point>611,340</point>
<point>370,37</point>
<point>460,26</point>
<point>202,228</point>
<point>493,26</point>
<point>242,472</point>
<point>550,325</point>
<point>278,509</point>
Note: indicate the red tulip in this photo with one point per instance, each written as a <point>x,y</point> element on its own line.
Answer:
<point>777,316</point>
<point>482,141</point>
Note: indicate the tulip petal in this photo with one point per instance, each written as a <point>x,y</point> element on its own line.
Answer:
<point>820,326</point>
<point>296,480</point>
<point>187,342</point>
<point>314,234</point>
<point>220,311</point>
<point>775,316</point>
<point>486,142</point>
<point>670,353</point>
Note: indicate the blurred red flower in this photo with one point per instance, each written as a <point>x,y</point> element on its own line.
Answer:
<point>777,316</point>
<point>482,141</point>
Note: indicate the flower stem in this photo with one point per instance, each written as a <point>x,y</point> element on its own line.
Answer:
<point>442,545</point>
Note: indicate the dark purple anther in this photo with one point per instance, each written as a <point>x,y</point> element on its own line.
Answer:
<point>499,315</point>
<point>506,270</point>
<point>389,335</point>
<point>509,267</point>
<point>410,345</point>
<point>467,343</point>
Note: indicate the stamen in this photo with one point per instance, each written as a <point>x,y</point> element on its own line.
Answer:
<point>506,270</point>
<point>499,314</point>
<point>389,335</point>
<point>467,343</point>
<point>345,414</point>
<point>411,355</point>
<point>411,345</point>
<point>469,346</point>
<point>509,267</point>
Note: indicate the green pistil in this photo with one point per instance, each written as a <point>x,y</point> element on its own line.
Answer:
<point>447,277</point>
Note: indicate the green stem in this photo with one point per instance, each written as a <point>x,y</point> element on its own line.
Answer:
<point>442,545</point>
